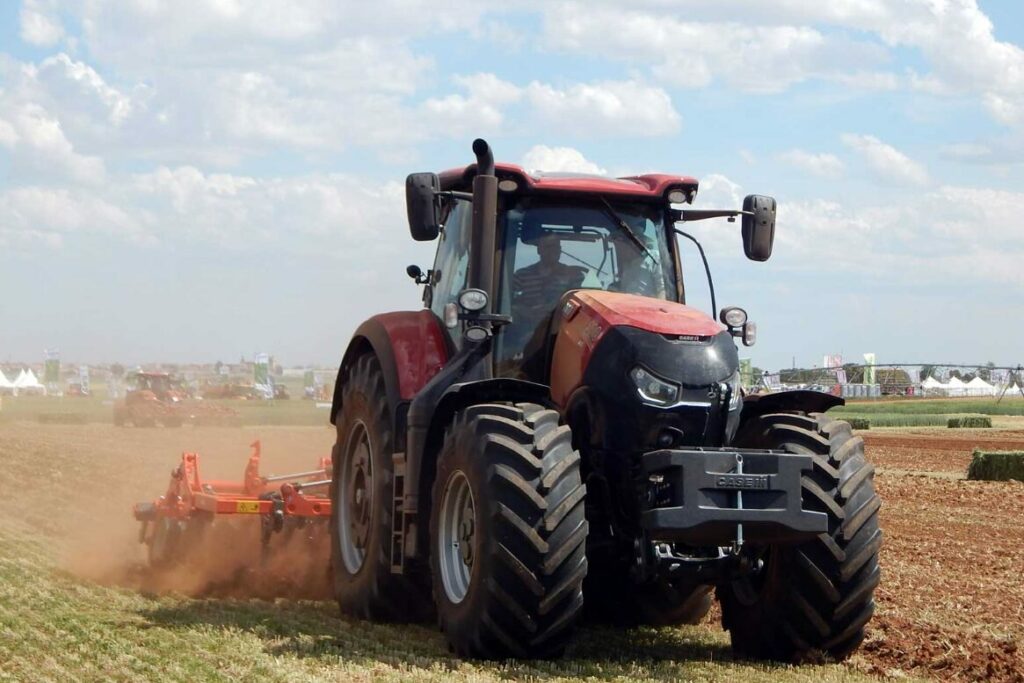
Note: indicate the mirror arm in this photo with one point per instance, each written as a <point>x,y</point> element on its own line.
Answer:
<point>703,214</point>
<point>452,194</point>
<point>707,268</point>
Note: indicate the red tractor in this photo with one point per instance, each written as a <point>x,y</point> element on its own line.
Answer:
<point>556,426</point>
<point>155,397</point>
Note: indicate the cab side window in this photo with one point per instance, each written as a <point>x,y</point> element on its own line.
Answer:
<point>451,266</point>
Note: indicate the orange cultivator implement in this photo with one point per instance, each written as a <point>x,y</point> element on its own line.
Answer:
<point>175,523</point>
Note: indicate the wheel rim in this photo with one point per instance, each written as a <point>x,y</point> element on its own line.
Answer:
<point>355,504</point>
<point>456,538</point>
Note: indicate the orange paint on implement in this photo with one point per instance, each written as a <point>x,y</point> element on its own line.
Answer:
<point>188,494</point>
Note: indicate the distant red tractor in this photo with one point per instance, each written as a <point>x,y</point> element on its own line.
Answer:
<point>556,426</point>
<point>154,398</point>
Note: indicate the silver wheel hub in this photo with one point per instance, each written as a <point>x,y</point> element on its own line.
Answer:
<point>355,498</point>
<point>456,537</point>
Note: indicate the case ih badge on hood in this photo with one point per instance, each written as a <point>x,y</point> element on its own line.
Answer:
<point>556,410</point>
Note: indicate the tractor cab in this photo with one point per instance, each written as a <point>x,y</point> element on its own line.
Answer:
<point>551,245</point>
<point>557,245</point>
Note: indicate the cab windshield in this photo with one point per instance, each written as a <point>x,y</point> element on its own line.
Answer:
<point>551,247</point>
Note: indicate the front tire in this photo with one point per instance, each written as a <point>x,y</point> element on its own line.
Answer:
<point>361,500</point>
<point>816,597</point>
<point>508,533</point>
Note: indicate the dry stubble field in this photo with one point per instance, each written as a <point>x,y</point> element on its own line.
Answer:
<point>76,603</point>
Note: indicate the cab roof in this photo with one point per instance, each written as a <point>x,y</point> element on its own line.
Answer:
<point>648,186</point>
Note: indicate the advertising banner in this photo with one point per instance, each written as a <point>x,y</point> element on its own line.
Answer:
<point>51,371</point>
<point>869,371</point>
<point>746,372</point>
<point>261,369</point>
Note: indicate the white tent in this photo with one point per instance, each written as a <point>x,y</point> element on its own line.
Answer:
<point>6,385</point>
<point>956,387</point>
<point>932,383</point>
<point>28,383</point>
<point>979,387</point>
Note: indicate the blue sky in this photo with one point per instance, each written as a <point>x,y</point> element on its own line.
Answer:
<point>194,181</point>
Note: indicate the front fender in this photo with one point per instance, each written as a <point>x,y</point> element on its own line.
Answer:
<point>797,400</point>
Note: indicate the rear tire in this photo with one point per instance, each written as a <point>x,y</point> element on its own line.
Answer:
<point>508,533</point>
<point>361,499</point>
<point>816,597</point>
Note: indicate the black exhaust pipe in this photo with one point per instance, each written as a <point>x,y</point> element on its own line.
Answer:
<point>485,213</point>
<point>484,157</point>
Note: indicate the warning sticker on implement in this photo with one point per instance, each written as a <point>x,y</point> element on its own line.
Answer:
<point>247,507</point>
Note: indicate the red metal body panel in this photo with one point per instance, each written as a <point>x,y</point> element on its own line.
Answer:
<point>591,313</point>
<point>418,344</point>
<point>648,186</point>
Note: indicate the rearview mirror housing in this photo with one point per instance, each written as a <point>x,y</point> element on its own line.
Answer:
<point>420,202</point>
<point>758,226</point>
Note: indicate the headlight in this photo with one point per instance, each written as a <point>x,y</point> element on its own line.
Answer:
<point>677,197</point>
<point>733,317</point>
<point>473,299</point>
<point>653,389</point>
<point>749,333</point>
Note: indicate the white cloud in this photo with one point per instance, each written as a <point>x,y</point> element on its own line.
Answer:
<point>8,136</point>
<point>559,159</point>
<point>63,75</point>
<point>823,165</point>
<point>784,42</point>
<point>48,215</point>
<point>40,149</point>
<point>39,26</point>
<point>625,108</point>
<point>482,108</point>
<point>929,237</point>
<point>622,108</point>
<point>353,220</point>
<point>689,53</point>
<point>886,161</point>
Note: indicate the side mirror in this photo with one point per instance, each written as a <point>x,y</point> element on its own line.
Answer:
<point>420,193</point>
<point>417,275</point>
<point>758,226</point>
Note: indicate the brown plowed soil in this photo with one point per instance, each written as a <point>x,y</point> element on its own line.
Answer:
<point>950,605</point>
<point>951,601</point>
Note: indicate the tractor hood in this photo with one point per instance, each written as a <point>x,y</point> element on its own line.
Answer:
<point>653,315</point>
<point>608,334</point>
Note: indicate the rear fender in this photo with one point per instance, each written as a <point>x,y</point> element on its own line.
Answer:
<point>410,346</point>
